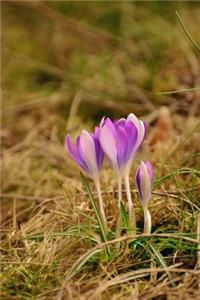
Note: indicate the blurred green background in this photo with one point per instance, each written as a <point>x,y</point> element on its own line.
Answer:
<point>87,59</point>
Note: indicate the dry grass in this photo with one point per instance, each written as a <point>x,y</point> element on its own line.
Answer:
<point>48,225</point>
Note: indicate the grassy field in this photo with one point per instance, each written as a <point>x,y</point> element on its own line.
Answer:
<point>66,64</point>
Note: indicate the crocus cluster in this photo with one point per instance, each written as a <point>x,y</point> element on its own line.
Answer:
<point>119,141</point>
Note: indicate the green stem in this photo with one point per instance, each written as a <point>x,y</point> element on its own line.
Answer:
<point>119,182</point>
<point>131,209</point>
<point>147,220</point>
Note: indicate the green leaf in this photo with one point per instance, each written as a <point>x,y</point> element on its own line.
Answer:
<point>161,260</point>
<point>125,217</point>
<point>193,172</point>
<point>81,262</point>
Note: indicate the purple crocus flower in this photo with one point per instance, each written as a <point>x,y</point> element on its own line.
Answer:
<point>87,153</point>
<point>144,182</point>
<point>141,130</point>
<point>118,141</point>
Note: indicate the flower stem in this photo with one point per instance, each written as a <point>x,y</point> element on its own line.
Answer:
<point>147,221</point>
<point>119,182</point>
<point>131,209</point>
<point>98,187</point>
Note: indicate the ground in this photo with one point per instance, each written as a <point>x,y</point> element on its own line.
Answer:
<point>64,66</point>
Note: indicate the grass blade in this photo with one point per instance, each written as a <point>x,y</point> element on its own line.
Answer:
<point>125,217</point>
<point>178,91</point>
<point>161,260</point>
<point>187,32</point>
<point>81,262</point>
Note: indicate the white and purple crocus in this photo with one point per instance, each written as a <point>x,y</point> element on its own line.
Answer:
<point>144,183</point>
<point>120,140</point>
<point>88,154</point>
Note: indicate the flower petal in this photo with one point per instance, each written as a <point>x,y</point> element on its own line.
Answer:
<point>108,142</point>
<point>121,122</point>
<point>99,152</point>
<point>102,122</point>
<point>87,148</point>
<point>132,134</point>
<point>150,170</point>
<point>143,182</point>
<point>122,146</point>
<point>74,153</point>
<point>137,180</point>
<point>141,127</point>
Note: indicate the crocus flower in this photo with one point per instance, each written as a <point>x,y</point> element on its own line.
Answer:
<point>141,130</point>
<point>144,183</point>
<point>118,141</point>
<point>88,155</point>
<point>141,133</point>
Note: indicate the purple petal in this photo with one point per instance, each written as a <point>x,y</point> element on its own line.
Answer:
<point>122,145</point>
<point>81,155</point>
<point>150,170</point>
<point>108,142</point>
<point>121,122</point>
<point>87,146</point>
<point>111,126</point>
<point>99,152</point>
<point>73,151</point>
<point>132,134</point>
<point>143,182</point>
<point>137,180</point>
<point>97,132</point>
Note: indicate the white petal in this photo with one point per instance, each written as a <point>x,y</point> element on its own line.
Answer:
<point>131,117</point>
<point>140,127</point>
<point>89,152</point>
<point>141,133</point>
